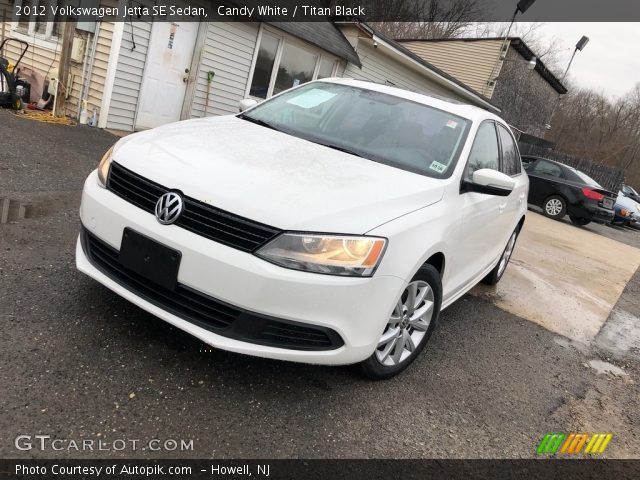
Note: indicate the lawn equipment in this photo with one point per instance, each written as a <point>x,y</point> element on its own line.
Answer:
<point>9,96</point>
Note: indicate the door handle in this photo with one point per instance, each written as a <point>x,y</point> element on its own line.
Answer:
<point>520,198</point>
<point>502,206</point>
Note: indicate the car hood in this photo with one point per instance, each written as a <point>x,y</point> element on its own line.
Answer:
<point>273,177</point>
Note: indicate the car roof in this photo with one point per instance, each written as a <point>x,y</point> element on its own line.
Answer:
<point>470,112</point>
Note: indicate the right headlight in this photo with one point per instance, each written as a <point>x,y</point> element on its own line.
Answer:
<point>344,255</point>
<point>104,166</point>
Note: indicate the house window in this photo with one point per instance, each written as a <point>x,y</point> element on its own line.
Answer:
<point>327,68</point>
<point>296,67</point>
<point>264,66</point>
<point>282,63</point>
<point>45,27</point>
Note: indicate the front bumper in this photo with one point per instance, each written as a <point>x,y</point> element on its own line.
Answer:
<point>631,218</point>
<point>357,309</point>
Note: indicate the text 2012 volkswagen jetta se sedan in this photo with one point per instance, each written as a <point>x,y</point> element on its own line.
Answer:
<point>327,225</point>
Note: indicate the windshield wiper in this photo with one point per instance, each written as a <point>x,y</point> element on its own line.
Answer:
<point>341,149</point>
<point>257,121</point>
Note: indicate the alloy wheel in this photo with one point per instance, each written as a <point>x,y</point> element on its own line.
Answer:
<point>407,325</point>
<point>553,207</point>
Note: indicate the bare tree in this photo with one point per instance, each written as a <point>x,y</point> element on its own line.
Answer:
<point>588,124</point>
<point>427,19</point>
<point>550,50</point>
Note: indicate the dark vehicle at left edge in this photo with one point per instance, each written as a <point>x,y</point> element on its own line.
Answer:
<point>562,190</point>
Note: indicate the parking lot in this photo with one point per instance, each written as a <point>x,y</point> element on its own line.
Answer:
<point>78,362</point>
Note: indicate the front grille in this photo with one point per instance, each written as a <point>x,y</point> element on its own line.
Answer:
<point>208,312</point>
<point>197,217</point>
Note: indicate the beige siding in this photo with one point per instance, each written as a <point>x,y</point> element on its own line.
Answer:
<point>45,59</point>
<point>469,62</point>
<point>36,58</point>
<point>228,52</point>
<point>128,79</point>
<point>98,72</point>
<point>380,68</point>
<point>101,61</point>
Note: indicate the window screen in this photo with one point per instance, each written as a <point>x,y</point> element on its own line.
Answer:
<point>326,68</point>
<point>296,67</point>
<point>264,66</point>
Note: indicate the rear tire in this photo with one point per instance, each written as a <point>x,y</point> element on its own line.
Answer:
<point>495,275</point>
<point>408,329</point>
<point>579,221</point>
<point>554,207</point>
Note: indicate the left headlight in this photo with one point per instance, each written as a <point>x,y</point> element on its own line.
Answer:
<point>350,256</point>
<point>104,166</point>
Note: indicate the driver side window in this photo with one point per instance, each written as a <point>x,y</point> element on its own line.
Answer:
<point>484,152</point>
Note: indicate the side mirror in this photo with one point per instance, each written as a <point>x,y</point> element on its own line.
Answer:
<point>491,182</point>
<point>247,103</point>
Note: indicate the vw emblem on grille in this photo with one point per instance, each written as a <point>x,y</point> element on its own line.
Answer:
<point>169,207</point>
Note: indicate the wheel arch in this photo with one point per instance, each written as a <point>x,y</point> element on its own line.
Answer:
<point>438,261</point>
<point>556,194</point>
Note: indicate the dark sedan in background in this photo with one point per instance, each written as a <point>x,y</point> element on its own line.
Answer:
<point>562,190</point>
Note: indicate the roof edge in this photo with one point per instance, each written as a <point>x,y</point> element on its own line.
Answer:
<point>519,46</point>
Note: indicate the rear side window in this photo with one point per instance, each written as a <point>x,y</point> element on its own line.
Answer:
<point>510,158</point>
<point>484,152</point>
<point>542,167</point>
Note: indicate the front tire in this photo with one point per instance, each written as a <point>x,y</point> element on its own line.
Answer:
<point>410,326</point>
<point>554,207</point>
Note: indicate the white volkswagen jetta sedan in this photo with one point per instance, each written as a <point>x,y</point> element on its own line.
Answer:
<point>327,225</point>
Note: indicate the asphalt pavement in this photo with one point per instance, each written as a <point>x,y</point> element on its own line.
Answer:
<point>77,362</point>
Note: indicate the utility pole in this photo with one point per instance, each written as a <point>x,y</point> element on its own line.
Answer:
<point>523,6</point>
<point>68,30</point>
<point>579,46</point>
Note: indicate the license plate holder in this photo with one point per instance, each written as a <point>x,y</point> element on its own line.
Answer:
<point>150,259</point>
<point>608,203</point>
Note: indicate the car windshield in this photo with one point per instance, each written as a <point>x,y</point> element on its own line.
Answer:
<point>377,126</point>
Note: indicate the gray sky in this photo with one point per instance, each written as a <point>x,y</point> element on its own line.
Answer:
<point>610,63</point>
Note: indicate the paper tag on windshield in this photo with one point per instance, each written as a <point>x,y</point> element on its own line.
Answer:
<point>452,124</point>
<point>311,98</point>
<point>437,166</point>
